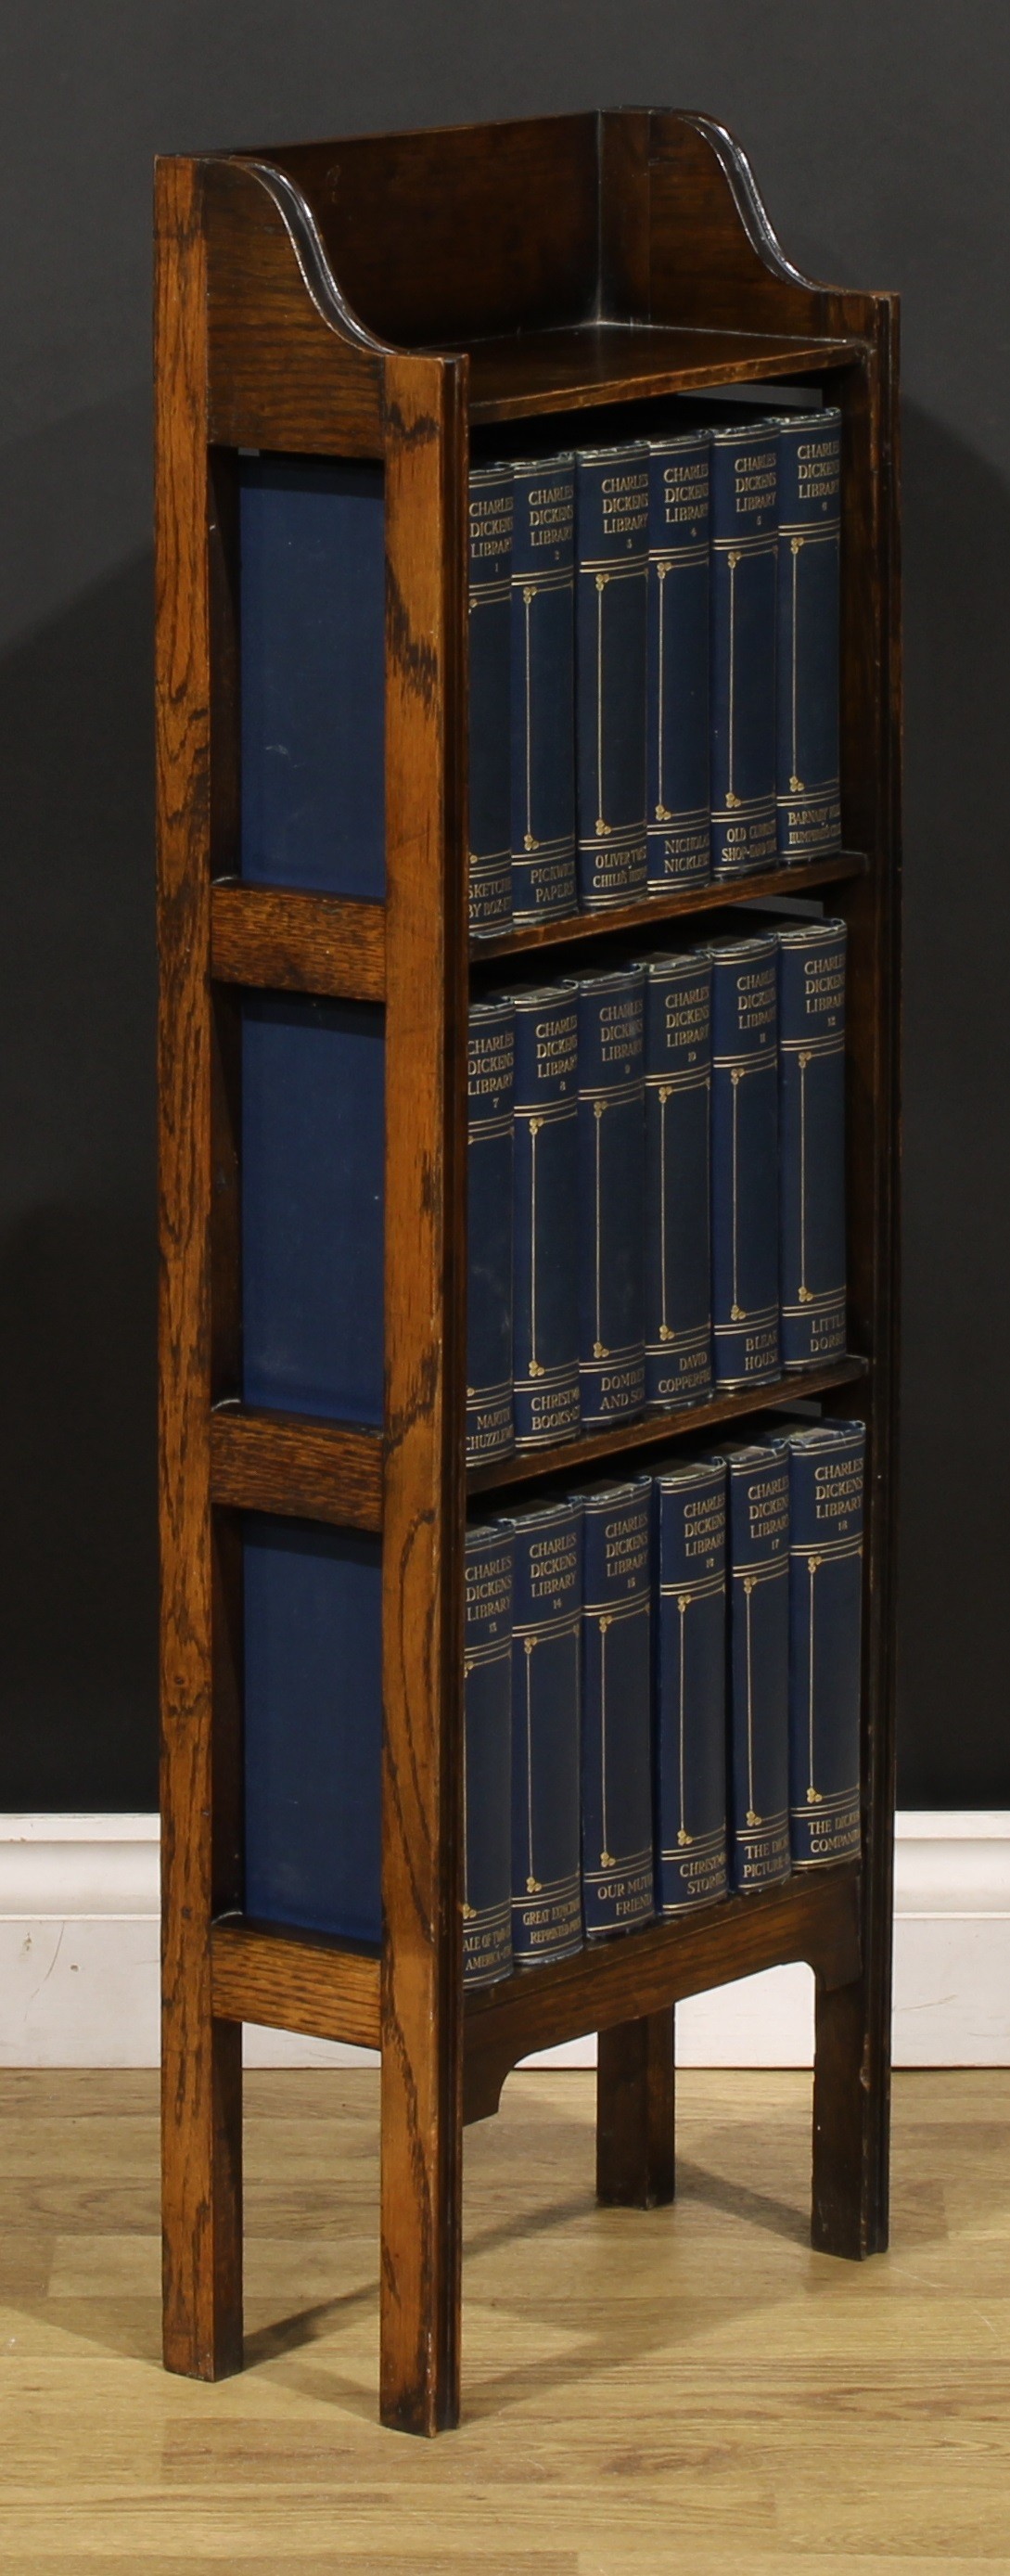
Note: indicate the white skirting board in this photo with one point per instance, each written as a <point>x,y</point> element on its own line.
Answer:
<point>79,1957</point>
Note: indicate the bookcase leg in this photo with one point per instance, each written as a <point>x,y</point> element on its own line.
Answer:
<point>851,2122</point>
<point>635,2112</point>
<point>202,2203</point>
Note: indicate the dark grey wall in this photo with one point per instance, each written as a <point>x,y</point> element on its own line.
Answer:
<point>877,132</point>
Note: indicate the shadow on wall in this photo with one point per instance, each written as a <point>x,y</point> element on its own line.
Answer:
<point>955,1509</point>
<point>77,1212</point>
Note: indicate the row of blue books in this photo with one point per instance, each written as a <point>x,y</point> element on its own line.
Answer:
<point>661,1699</point>
<point>654,656</point>
<point>662,1685</point>
<point>656,1184</point>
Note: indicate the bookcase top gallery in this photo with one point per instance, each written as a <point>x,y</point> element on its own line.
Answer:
<point>386,297</point>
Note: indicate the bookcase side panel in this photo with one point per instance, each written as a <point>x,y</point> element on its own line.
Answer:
<point>201,2057</point>
<point>424,1395</point>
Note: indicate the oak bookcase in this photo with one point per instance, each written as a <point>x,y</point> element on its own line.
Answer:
<point>373,298</point>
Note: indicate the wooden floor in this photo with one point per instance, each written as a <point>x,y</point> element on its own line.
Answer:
<point>689,2392</point>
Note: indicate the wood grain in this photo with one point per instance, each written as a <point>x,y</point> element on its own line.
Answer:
<point>570,1457</point>
<point>688,901</point>
<point>268,288</point>
<point>281,1462</point>
<point>202,2131</point>
<point>298,943</point>
<point>813,1916</point>
<point>422,1651</point>
<point>635,2113</point>
<point>294,1983</point>
<point>545,371</point>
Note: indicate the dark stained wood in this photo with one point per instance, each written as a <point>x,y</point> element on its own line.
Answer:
<point>577,259</point>
<point>201,2057</point>
<point>532,372</point>
<point>813,1916</point>
<point>294,1983</point>
<point>298,943</point>
<point>281,1462</point>
<point>635,2113</point>
<point>685,904</point>
<point>426,523</point>
<point>572,1457</point>
<point>465,229</point>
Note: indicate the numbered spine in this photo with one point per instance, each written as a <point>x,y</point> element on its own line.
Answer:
<point>490,628</point>
<point>611,1011</point>
<point>678,1090</point>
<point>812,961</point>
<point>611,607</point>
<point>543,689</point>
<point>546,1659</point>
<point>545,1327</point>
<point>825,1613</point>
<point>810,527</point>
<point>743,615</point>
<point>490,1068</point>
<point>487,1770</point>
<point>617,1867</point>
<point>758,1480</point>
<point>690,1684</point>
<point>745,1225</point>
<point>679,832</point>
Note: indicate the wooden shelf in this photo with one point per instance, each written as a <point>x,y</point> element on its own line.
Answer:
<point>516,375</point>
<point>648,1431</point>
<point>683,905</point>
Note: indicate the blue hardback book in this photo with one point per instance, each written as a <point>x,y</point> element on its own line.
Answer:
<point>743,627</point>
<point>490,1067</point>
<point>487,1768</point>
<point>546,1660</point>
<point>312,1206</point>
<point>490,629</point>
<point>617,1870</point>
<point>545,1279</point>
<point>312,1726</point>
<point>758,1495</point>
<point>745,1220</point>
<point>825,1612</point>
<point>810,527</point>
<point>611,611</point>
<point>543,688</point>
<point>678,801</point>
<point>611,1194</point>
<point>312,611</point>
<point>678,1089</point>
<point>812,1141</point>
<point>690,1683</point>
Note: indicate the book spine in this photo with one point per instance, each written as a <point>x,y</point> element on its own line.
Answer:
<point>312,1726</point>
<point>545,1326</point>
<point>745,1256</point>
<point>490,629</point>
<point>312,666</point>
<point>543,689</point>
<point>690,1685</point>
<point>546,1657</point>
<point>809,543</point>
<point>679,831</point>
<point>812,1142</point>
<point>487,1769</point>
<point>611,611</point>
<point>490,1428</point>
<point>611,1012</point>
<point>825,1612</point>
<point>758,1483</point>
<point>678,1089</point>
<point>743,619</point>
<point>617,1870</point>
